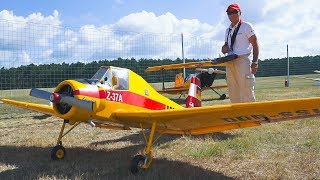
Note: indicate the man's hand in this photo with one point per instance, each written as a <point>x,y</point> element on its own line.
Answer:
<point>225,48</point>
<point>254,68</point>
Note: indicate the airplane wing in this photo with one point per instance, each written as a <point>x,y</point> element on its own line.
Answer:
<point>46,109</point>
<point>215,62</point>
<point>184,89</point>
<point>183,65</point>
<point>201,120</point>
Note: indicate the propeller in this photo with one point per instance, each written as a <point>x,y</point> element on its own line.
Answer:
<point>62,98</point>
<point>40,94</point>
<point>211,71</point>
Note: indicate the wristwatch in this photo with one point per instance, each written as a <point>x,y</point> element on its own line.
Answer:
<point>256,62</point>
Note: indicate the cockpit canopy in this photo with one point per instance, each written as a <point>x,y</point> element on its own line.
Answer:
<point>110,77</point>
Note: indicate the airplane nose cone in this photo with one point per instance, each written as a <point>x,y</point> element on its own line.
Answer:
<point>210,70</point>
<point>55,97</point>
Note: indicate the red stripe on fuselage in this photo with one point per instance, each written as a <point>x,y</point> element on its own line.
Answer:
<point>122,96</point>
<point>96,93</point>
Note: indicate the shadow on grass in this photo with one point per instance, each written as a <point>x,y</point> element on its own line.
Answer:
<point>41,117</point>
<point>219,136</point>
<point>81,163</point>
<point>182,100</point>
<point>138,138</point>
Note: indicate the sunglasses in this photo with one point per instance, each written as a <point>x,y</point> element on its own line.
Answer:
<point>232,12</point>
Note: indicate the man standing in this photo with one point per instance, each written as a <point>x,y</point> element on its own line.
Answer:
<point>240,39</point>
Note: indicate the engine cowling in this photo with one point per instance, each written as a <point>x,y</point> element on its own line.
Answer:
<point>73,88</point>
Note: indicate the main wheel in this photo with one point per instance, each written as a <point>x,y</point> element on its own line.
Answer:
<point>58,152</point>
<point>137,163</point>
<point>223,96</point>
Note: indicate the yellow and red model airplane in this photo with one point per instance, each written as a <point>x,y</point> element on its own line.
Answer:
<point>181,85</point>
<point>118,98</point>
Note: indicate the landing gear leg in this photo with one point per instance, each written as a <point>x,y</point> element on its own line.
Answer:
<point>58,152</point>
<point>141,162</point>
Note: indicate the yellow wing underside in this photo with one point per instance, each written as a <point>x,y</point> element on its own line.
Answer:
<point>183,65</point>
<point>210,119</point>
<point>46,109</point>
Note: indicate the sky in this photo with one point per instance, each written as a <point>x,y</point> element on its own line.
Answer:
<point>276,23</point>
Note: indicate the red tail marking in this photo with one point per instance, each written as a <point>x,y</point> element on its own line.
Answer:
<point>194,95</point>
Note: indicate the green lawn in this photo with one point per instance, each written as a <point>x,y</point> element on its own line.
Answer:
<point>284,150</point>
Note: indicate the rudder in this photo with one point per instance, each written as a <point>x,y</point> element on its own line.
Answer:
<point>194,94</point>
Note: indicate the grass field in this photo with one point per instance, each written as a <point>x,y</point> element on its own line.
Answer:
<point>285,150</point>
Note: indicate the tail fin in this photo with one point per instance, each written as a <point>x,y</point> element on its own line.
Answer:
<point>194,95</point>
<point>179,80</point>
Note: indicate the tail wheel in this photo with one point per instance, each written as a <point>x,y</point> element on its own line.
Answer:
<point>223,96</point>
<point>137,164</point>
<point>58,152</point>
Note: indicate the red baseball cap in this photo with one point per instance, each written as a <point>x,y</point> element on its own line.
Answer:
<point>234,6</point>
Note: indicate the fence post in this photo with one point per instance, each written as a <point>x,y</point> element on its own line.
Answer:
<point>288,68</point>
<point>184,61</point>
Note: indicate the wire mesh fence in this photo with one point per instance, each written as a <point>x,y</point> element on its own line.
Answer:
<point>42,55</point>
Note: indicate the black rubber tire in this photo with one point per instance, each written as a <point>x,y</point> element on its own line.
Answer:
<point>136,164</point>
<point>58,152</point>
<point>223,96</point>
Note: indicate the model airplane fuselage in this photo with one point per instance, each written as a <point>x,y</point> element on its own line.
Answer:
<point>181,85</point>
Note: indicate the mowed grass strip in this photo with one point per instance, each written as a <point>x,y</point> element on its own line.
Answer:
<point>285,150</point>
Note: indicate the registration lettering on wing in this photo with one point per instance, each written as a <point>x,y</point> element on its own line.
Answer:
<point>301,113</point>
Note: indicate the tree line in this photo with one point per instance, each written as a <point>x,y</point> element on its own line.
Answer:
<point>49,75</point>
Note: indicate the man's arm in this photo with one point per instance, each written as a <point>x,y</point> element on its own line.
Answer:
<point>255,50</point>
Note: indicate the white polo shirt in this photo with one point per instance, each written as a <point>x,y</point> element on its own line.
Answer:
<point>241,45</point>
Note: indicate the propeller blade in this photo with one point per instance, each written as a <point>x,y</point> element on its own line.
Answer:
<point>57,98</point>
<point>38,93</point>
<point>211,70</point>
<point>201,70</point>
<point>79,103</point>
<point>219,71</point>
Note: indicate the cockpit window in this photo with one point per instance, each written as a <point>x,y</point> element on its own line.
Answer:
<point>103,75</point>
<point>112,78</point>
<point>121,78</point>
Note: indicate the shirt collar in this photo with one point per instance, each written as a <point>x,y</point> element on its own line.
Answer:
<point>235,25</point>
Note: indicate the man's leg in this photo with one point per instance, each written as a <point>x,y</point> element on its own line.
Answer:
<point>232,82</point>
<point>246,82</point>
